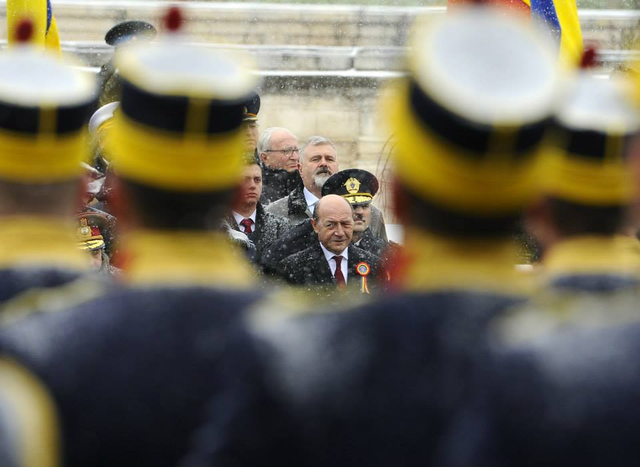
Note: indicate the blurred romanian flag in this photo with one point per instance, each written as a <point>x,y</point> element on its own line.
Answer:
<point>39,12</point>
<point>561,16</point>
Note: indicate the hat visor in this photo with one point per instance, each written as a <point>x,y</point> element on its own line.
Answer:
<point>91,245</point>
<point>360,198</point>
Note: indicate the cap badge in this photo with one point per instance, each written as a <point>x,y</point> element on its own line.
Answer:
<point>85,230</point>
<point>352,185</point>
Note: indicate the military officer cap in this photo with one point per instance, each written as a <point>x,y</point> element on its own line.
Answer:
<point>128,31</point>
<point>91,230</point>
<point>355,185</point>
<point>470,117</point>
<point>101,118</point>
<point>44,107</point>
<point>179,124</point>
<point>593,132</point>
<point>251,108</point>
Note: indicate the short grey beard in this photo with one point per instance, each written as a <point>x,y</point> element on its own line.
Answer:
<point>321,179</point>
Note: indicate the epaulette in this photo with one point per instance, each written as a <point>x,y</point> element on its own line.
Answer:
<point>553,310</point>
<point>52,299</point>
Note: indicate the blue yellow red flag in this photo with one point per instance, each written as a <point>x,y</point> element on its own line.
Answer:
<point>40,13</point>
<point>560,16</point>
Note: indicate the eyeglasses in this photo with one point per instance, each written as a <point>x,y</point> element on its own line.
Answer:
<point>286,152</point>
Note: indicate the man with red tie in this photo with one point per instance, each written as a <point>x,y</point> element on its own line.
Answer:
<point>248,215</point>
<point>332,261</point>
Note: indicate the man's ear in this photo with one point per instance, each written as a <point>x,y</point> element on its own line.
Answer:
<point>263,157</point>
<point>314,225</point>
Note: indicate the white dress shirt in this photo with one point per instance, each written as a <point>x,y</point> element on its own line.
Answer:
<point>239,218</point>
<point>332,262</point>
<point>311,199</point>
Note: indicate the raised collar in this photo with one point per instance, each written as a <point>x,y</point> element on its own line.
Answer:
<point>484,265</point>
<point>185,258</point>
<point>29,241</point>
<point>593,255</point>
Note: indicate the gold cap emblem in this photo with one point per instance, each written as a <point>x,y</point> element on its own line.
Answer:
<point>84,230</point>
<point>352,185</point>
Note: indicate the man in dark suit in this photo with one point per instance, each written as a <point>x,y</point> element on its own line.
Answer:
<point>248,215</point>
<point>331,261</point>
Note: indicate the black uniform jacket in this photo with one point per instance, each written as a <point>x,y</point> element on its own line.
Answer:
<point>131,372</point>
<point>268,229</point>
<point>562,384</point>
<point>376,385</point>
<point>310,268</point>
<point>278,183</point>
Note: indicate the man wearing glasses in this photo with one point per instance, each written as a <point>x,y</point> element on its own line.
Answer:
<point>279,158</point>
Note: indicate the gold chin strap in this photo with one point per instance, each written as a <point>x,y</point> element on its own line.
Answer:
<point>592,255</point>
<point>184,258</point>
<point>33,416</point>
<point>40,241</point>
<point>439,263</point>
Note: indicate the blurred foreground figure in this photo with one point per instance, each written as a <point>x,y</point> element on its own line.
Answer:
<point>28,421</point>
<point>46,106</point>
<point>566,376</point>
<point>131,371</point>
<point>377,385</point>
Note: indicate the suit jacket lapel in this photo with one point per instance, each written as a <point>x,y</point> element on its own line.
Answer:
<point>320,266</point>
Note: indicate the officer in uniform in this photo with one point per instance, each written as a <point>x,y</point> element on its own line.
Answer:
<point>564,373</point>
<point>42,143</point>
<point>131,372</point>
<point>93,232</point>
<point>358,187</point>
<point>377,385</point>
<point>250,124</point>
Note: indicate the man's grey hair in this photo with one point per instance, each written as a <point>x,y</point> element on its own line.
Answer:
<point>264,143</point>
<point>316,141</point>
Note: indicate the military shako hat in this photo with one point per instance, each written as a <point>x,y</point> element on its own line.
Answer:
<point>251,108</point>
<point>128,31</point>
<point>591,138</point>
<point>356,185</point>
<point>470,117</point>
<point>44,107</point>
<point>179,123</point>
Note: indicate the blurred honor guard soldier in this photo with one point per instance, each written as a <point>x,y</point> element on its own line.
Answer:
<point>131,371</point>
<point>279,155</point>
<point>28,420</point>
<point>378,385</point>
<point>332,260</point>
<point>122,33</point>
<point>566,376</point>
<point>358,187</point>
<point>248,215</point>
<point>45,107</point>
<point>318,161</point>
